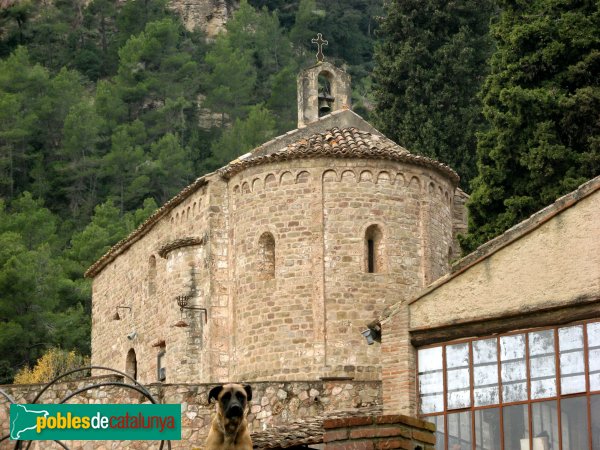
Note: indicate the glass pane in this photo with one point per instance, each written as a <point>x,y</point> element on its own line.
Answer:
<point>593,333</point>
<point>459,431</point>
<point>487,429</point>
<point>595,403</point>
<point>572,369</point>
<point>439,430</point>
<point>574,422</point>
<point>458,376</point>
<point>516,427</point>
<point>431,380</point>
<point>514,373</point>
<point>485,372</point>
<point>545,425</point>
<point>542,367</point>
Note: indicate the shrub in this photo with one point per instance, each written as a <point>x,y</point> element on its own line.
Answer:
<point>51,364</point>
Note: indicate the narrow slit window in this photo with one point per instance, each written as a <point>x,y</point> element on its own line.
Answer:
<point>371,255</point>
<point>266,249</point>
<point>131,364</point>
<point>374,254</point>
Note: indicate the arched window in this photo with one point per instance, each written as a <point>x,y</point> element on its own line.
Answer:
<point>131,364</point>
<point>266,256</point>
<point>373,249</point>
<point>152,275</point>
<point>325,97</point>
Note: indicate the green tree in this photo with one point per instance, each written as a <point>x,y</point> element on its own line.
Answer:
<point>243,135</point>
<point>430,65</point>
<point>542,103</point>
<point>157,82</point>
<point>231,81</point>
<point>98,53</point>
<point>14,21</point>
<point>23,85</point>
<point>135,15</point>
<point>171,170</point>
<point>34,223</point>
<point>30,282</point>
<point>305,24</point>
<point>126,166</point>
<point>252,62</point>
<point>79,159</point>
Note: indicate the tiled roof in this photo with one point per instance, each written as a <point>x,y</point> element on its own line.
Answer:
<point>337,143</point>
<point>304,431</point>
<point>346,142</point>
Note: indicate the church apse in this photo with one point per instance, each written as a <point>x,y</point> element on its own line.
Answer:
<point>292,249</point>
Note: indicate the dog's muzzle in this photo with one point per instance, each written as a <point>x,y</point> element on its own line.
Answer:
<point>235,410</point>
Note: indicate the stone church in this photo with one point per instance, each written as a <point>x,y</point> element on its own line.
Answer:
<point>283,259</point>
<point>323,256</point>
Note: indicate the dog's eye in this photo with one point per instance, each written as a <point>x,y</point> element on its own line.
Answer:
<point>240,397</point>
<point>226,396</point>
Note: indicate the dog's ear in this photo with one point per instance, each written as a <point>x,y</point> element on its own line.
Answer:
<point>248,390</point>
<point>214,393</point>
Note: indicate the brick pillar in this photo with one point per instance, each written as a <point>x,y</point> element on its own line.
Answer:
<point>398,361</point>
<point>378,433</point>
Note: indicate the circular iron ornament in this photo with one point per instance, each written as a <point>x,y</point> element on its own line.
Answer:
<point>136,386</point>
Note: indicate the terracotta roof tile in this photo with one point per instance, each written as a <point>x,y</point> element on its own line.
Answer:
<point>304,431</point>
<point>338,143</point>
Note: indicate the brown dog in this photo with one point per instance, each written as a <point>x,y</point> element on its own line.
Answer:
<point>229,429</point>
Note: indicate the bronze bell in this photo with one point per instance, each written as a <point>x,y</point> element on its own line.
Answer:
<point>324,106</point>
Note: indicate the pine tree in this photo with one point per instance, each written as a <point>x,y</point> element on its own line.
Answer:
<point>430,65</point>
<point>31,279</point>
<point>171,170</point>
<point>243,135</point>
<point>542,102</point>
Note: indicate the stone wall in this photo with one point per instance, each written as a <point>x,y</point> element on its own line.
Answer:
<point>378,433</point>
<point>306,321</point>
<point>176,257</point>
<point>273,404</point>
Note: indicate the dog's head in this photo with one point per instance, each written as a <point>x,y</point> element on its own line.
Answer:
<point>232,399</point>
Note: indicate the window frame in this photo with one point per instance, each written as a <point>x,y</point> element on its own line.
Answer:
<point>500,405</point>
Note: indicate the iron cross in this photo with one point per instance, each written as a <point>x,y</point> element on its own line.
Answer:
<point>320,43</point>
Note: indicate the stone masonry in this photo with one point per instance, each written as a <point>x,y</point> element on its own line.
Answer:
<point>286,254</point>
<point>273,405</point>
<point>305,321</point>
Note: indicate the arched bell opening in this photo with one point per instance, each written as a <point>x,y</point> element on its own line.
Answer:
<point>326,98</point>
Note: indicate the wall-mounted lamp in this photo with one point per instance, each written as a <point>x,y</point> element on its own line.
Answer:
<point>372,334</point>
<point>117,316</point>
<point>183,302</point>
